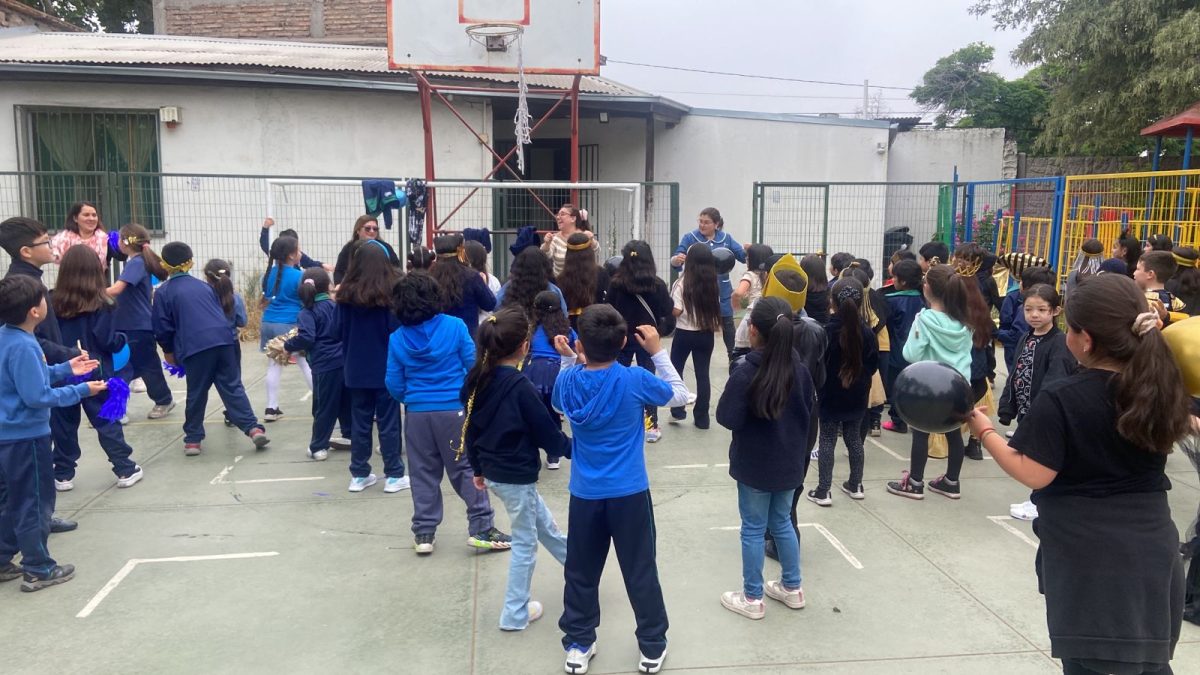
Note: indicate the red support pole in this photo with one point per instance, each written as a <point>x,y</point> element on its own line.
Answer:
<point>575,137</point>
<point>427,123</point>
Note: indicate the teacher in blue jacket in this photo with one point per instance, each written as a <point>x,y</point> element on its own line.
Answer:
<point>711,231</point>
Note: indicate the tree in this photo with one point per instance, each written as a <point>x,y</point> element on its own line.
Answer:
<point>109,16</point>
<point>876,107</point>
<point>967,94</point>
<point>1116,65</point>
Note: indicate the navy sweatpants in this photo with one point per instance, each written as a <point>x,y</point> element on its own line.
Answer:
<point>144,363</point>
<point>27,473</point>
<point>219,367</point>
<point>374,407</point>
<point>628,522</point>
<point>64,430</point>
<point>331,403</point>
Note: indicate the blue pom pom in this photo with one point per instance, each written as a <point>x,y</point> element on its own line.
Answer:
<point>114,241</point>
<point>118,400</point>
<point>174,370</point>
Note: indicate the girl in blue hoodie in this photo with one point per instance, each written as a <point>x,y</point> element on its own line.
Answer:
<point>506,424</point>
<point>427,360</point>
<point>957,320</point>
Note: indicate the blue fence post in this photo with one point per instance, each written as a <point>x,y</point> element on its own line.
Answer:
<point>1183,181</point>
<point>968,214</point>
<point>1016,232</point>
<point>1096,213</point>
<point>996,229</point>
<point>1056,220</point>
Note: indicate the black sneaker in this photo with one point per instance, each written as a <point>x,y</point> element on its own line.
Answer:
<point>228,422</point>
<point>875,431</point>
<point>11,571</point>
<point>973,450</point>
<point>943,486</point>
<point>700,422</point>
<point>58,525</point>
<point>491,539</point>
<point>272,414</point>
<point>423,543</point>
<point>678,415</point>
<point>820,497</point>
<point>61,574</point>
<point>855,491</point>
<point>907,487</point>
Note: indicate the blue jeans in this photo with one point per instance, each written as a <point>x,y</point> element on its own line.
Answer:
<point>531,522</point>
<point>761,511</point>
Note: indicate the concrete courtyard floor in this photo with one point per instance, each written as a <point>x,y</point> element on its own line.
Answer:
<point>245,562</point>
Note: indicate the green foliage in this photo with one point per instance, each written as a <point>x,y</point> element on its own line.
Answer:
<point>969,95</point>
<point>109,16</point>
<point>1117,65</point>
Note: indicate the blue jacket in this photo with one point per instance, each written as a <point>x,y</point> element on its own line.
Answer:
<point>367,330</point>
<point>264,242</point>
<point>47,332</point>
<point>1012,324</point>
<point>476,297</point>
<point>720,240</point>
<point>904,306</point>
<point>133,304</point>
<point>285,302</point>
<point>838,403</point>
<point>26,396</point>
<point>188,318</point>
<point>508,424</point>
<point>318,334</point>
<point>427,364</point>
<point>605,408</point>
<point>96,332</point>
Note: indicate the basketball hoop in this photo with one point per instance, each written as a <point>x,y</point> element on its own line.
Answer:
<point>497,37</point>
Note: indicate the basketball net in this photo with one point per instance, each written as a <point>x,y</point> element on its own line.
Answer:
<point>522,131</point>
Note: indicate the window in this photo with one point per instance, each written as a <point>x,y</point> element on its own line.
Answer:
<point>106,157</point>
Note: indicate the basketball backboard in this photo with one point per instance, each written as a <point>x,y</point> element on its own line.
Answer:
<point>558,37</point>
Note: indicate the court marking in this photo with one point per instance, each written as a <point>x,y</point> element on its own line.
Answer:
<point>307,395</point>
<point>886,449</point>
<point>133,563</point>
<point>821,529</point>
<point>1002,521</point>
<point>222,478</point>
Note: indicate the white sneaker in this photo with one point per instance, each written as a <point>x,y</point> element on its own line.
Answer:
<point>396,484</point>
<point>535,610</point>
<point>736,602</point>
<point>775,590</point>
<point>649,665</point>
<point>339,444</point>
<point>1009,434</point>
<point>319,455</point>
<point>813,455</point>
<point>63,485</point>
<point>137,386</point>
<point>691,398</point>
<point>552,465</point>
<point>132,479</point>
<point>653,435</point>
<point>359,484</point>
<point>1023,511</point>
<point>578,659</point>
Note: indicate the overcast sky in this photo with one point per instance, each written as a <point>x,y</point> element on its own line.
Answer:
<point>887,42</point>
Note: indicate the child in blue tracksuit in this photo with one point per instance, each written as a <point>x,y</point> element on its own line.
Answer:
<point>610,490</point>
<point>85,318</point>
<point>1012,313</point>
<point>134,290</point>
<point>711,232</point>
<point>280,285</point>
<point>543,363</point>
<point>428,359</point>
<point>194,332</point>
<point>506,424</point>
<point>26,471</point>
<point>318,334</point>
<point>904,303</point>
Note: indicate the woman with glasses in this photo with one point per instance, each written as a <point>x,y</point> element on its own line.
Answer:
<point>365,228</point>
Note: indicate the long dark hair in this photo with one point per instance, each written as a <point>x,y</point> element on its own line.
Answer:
<point>846,300</point>
<point>636,274</point>
<point>358,225</point>
<point>814,266</point>
<point>217,273</point>
<point>579,274</point>
<point>581,221</point>
<point>758,261</point>
<point>369,280</point>
<point>1151,401</point>
<point>420,258</point>
<point>313,282</point>
<point>530,274</point>
<point>477,256</point>
<point>137,238</point>
<point>1185,283</point>
<point>1160,242</point>
<point>547,315</point>
<point>74,212</point>
<point>962,300</point>
<point>448,270</point>
<point>1133,250</point>
<point>281,249</point>
<point>498,337</point>
<point>80,288</point>
<point>701,290</point>
<point>772,383</point>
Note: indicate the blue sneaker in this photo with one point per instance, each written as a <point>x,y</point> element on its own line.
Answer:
<point>358,484</point>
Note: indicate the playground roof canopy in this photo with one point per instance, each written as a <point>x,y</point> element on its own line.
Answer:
<point>1177,125</point>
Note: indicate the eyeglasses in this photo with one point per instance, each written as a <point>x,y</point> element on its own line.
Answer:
<point>39,243</point>
<point>370,229</point>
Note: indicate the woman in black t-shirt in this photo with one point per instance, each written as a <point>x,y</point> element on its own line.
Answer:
<point>1094,449</point>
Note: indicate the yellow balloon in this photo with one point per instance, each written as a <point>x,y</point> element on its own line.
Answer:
<point>1184,338</point>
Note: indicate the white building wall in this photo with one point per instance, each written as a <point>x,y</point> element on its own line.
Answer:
<point>930,155</point>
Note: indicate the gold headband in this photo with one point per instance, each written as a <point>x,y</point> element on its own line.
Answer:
<point>964,268</point>
<point>1185,262</point>
<point>1091,255</point>
<point>184,266</point>
<point>133,240</point>
<point>580,247</point>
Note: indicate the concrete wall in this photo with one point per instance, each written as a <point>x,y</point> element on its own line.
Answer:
<point>930,155</point>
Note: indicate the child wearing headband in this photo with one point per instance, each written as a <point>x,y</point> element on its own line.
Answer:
<point>318,335</point>
<point>133,290</point>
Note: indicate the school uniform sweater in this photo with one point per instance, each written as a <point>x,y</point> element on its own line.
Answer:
<point>720,240</point>
<point>188,319</point>
<point>765,454</point>
<point>427,363</point>
<point>284,298</point>
<point>133,304</point>
<point>319,336</point>
<point>365,331</point>
<point>476,297</point>
<point>1012,323</point>
<point>904,307</point>
<point>839,403</point>
<point>96,332</point>
<point>508,424</point>
<point>26,396</point>
<point>631,309</point>
<point>47,332</point>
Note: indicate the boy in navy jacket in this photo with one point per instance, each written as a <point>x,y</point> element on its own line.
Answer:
<point>26,462</point>
<point>610,490</point>
<point>194,332</point>
<point>904,302</point>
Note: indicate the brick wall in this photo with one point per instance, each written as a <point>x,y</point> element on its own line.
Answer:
<point>351,21</point>
<point>356,18</point>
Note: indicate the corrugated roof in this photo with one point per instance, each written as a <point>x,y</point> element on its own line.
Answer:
<point>171,50</point>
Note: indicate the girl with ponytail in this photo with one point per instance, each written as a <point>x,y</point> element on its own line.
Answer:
<point>133,290</point>
<point>851,360</point>
<point>767,405</point>
<point>281,308</point>
<point>506,422</point>
<point>319,337</point>
<point>1094,448</point>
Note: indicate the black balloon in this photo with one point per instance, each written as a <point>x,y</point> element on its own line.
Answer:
<point>725,260</point>
<point>932,397</point>
<point>612,264</point>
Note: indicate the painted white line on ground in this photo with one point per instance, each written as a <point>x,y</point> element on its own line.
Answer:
<point>686,466</point>
<point>1002,521</point>
<point>834,541</point>
<point>885,448</point>
<point>721,466</point>
<point>307,395</point>
<point>129,566</point>
<point>224,472</point>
